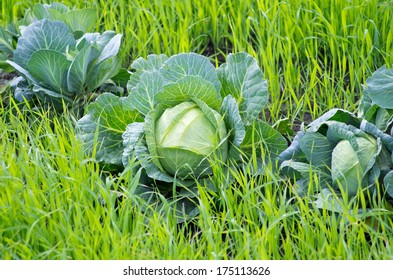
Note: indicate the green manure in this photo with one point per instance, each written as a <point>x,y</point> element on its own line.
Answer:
<point>309,50</point>
<point>56,202</point>
<point>55,205</point>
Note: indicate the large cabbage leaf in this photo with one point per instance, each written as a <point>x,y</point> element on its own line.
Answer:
<point>78,20</point>
<point>380,88</point>
<point>190,64</point>
<point>376,104</point>
<point>43,35</point>
<point>102,128</point>
<point>242,78</point>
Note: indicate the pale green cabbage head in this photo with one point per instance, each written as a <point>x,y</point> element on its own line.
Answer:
<point>186,137</point>
<point>349,163</point>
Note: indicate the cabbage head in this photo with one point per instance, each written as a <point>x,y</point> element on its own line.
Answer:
<point>185,137</point>
<point>349,163</point>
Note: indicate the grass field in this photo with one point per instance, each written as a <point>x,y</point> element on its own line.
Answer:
<point>316,55</point>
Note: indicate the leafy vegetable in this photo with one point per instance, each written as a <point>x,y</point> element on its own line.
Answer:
<point>347,154</point>
<point>59,68</point>
<point>193,114</point>
<point>79,21</point>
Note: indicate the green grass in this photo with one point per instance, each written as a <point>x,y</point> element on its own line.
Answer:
<point>315,54</point>
<point>52,207</point>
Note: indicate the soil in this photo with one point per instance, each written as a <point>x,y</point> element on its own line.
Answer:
<point>5,78</point>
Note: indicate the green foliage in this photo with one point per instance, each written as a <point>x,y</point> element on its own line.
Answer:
<point>315,54</point>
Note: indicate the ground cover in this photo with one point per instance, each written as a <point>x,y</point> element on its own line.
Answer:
<point>56,202</point>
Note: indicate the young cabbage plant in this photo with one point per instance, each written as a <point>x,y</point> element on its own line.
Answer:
<point>181,115</point>
<point>58,68</point>
<point>79,21</point>
<point>345,153</point>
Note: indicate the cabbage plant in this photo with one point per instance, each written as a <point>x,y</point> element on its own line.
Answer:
<point>376,106</point>
<point>58,68</point>
<point>79,21</point>
<point>341,153</point>
<point>181,115</point>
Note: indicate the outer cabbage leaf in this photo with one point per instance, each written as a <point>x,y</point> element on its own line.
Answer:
<point>380,88</point>
<point>152,64</point>
<point>235,126</point>
<point>190,64</point>
<point>142,95</point>
<point>260,134</point>
<point>371,129</point>
<point>187,88</point>
<point>22,71</point>
<point>145,159</point>
<point>57,6</point>
<point>301,172</point>
<point>134,133</point>
<point>50,69</point>
<point>6,44</point>
<point>77,73</point>
<point>43,35</point>
<point>388,183</point>
<point>150,130</point>
<point>110,49</point>
<point>317,149</point>
<point>78,20</point>
<point>40,11</point>
<point>242,78</point>
<point>83,20</point>
<point>294,151</point>
<point>335,114</point>
<point>102,72</point>
<point>102,127</point>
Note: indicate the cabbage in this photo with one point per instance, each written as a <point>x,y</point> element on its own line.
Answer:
<point>181,116</point>
<point>347,154</point>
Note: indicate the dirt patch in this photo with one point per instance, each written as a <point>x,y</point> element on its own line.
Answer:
<point>5,78</point>
<point>218,52</point>
<point>297,123</point>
